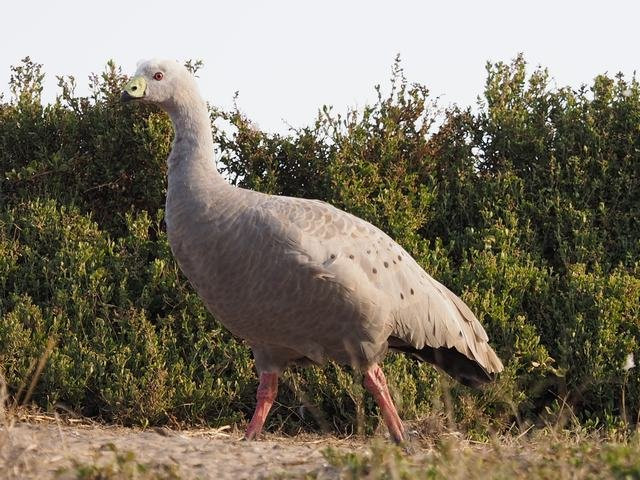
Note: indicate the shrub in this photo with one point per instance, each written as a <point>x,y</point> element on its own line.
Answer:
<point>528,208</point>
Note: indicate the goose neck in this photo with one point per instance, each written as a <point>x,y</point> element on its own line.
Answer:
<point>192,149</point>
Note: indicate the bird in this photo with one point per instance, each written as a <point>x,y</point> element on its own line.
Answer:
<point>299,280</point>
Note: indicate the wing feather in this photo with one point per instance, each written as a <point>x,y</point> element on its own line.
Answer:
<point>367,262</point>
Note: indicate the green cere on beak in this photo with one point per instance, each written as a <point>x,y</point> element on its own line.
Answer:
<point>134,89</point>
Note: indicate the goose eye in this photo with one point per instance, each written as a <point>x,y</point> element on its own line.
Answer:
<point>158,76</point>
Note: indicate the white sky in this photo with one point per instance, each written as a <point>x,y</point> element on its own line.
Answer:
<point>288,58</point>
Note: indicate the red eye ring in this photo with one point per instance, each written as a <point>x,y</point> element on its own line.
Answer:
<point>158,76</point>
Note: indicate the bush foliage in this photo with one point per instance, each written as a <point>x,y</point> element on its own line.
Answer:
<point>528,206</point>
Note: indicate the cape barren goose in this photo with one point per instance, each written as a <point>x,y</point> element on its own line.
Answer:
<point>299,280</point>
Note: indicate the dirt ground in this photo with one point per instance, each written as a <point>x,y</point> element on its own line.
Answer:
<point>53,450</point>
<point>48,448</point>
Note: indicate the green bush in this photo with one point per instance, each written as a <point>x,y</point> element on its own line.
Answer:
<point>529,208</point>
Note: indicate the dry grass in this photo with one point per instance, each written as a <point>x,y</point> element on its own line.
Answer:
<point>41,446</point>
<point>537,455</point>
<point>37,445</point>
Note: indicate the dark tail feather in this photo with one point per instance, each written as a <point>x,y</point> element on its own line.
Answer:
<point>459,366</point>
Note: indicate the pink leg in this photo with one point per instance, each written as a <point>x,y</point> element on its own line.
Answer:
<point>267,391</point>
<point>376,383</point>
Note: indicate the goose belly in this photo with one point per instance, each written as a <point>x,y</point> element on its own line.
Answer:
<point>278,303</point>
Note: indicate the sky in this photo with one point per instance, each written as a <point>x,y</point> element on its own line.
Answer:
<point>288,58</point>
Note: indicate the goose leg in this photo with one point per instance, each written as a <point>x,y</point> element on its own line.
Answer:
<point>376,383</point>
<point>267,391</point>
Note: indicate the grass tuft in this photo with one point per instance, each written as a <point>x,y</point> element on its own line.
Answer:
<point>540,456</point>
<point>122,465</point>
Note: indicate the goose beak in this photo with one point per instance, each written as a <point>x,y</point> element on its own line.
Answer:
<point>135,89</point>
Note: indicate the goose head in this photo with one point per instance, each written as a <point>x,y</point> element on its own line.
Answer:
<point>162,82</point>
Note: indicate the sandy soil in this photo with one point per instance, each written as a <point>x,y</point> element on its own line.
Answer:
<point>43,450</point>
<point>49,448</point>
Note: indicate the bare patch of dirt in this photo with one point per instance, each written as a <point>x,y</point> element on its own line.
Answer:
<point>50,450</point>
<point>44,447</point>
